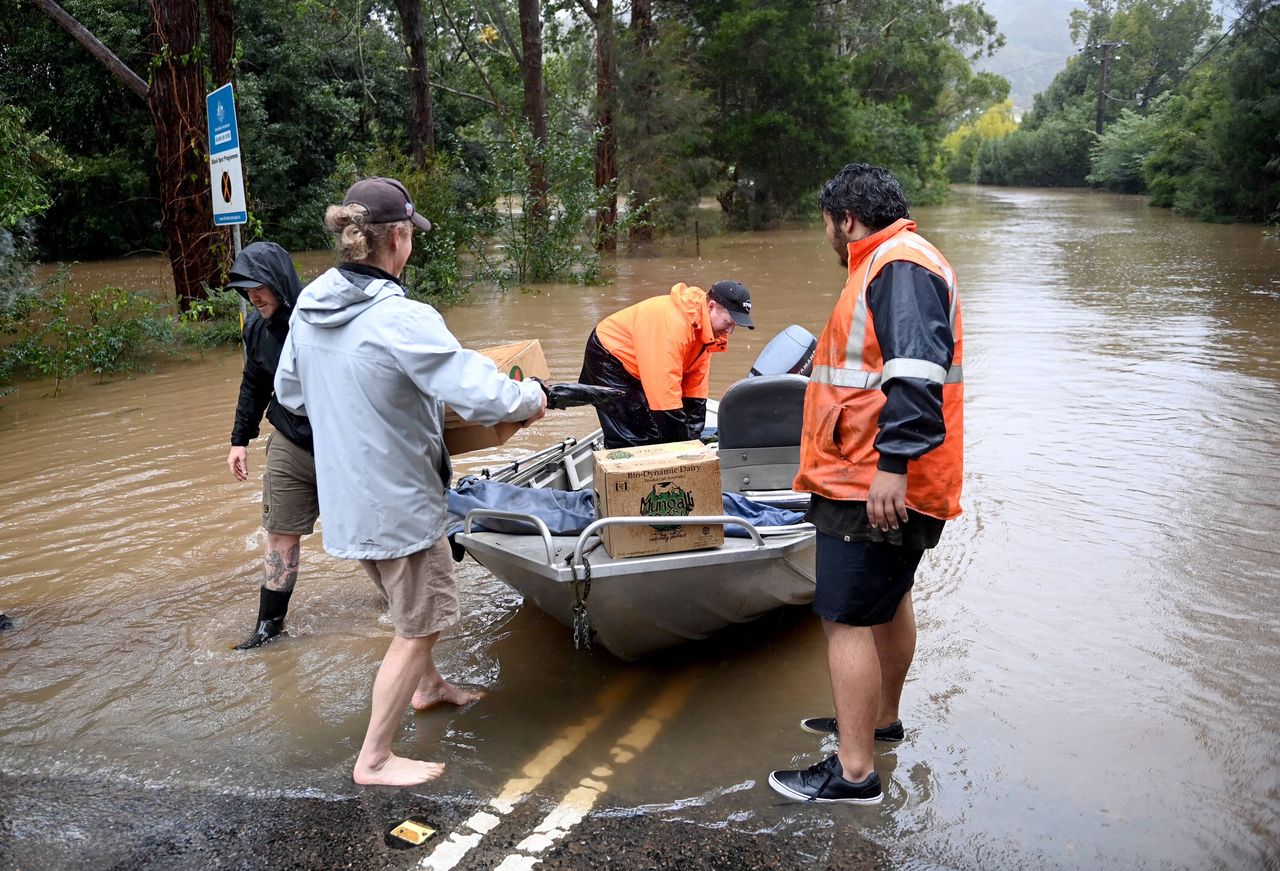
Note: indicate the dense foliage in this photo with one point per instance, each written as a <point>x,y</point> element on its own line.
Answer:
<point>1190,114</point>
<point>754,102</point>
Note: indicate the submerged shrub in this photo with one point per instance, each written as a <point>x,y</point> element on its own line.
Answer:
<point>58,334</point>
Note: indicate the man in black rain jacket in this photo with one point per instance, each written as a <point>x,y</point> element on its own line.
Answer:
<point>264,275</point>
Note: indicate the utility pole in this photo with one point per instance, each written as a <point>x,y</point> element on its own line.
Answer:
<point>1104,58</point>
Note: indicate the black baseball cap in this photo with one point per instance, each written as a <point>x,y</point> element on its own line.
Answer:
<point>735,299</point>
<point>387,201</point>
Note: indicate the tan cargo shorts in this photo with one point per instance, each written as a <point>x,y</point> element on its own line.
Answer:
<point>290,505</point>
<point>420,589</point>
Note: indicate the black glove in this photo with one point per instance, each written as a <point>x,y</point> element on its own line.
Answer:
<point>695,412</point>
<point>673,426</point>
<point>573,394</point>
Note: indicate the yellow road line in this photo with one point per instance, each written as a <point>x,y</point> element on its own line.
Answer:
<point>450,851</point>
<point>579,801</point>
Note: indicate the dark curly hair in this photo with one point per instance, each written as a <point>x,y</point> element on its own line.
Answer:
<point>866,192</point>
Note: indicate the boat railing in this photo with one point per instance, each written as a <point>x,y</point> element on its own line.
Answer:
<point>707,520</point>
<point>537,522</point>
<point>591,535</point>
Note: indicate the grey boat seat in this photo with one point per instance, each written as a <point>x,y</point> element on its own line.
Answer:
<point>760,420</point>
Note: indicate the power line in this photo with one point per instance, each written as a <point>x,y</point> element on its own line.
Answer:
<point>1052,60</point>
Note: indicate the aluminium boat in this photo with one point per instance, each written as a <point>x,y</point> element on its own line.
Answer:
<point>639,605</point>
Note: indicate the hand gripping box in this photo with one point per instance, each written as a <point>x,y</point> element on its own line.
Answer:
<point>518,360</point>
<point>679,479</point>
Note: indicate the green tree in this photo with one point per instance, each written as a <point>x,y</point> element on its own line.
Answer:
<point>103,198</point>
<point>1117,157</point>
<point>1145,44</point>
<point>960,147</point>
<point>1217,142</point>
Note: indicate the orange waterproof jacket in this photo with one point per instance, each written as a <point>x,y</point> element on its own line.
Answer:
<point>665,342</point>
<point>846,393</point>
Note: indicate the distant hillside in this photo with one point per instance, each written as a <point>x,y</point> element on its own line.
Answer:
<point>1037,44</point>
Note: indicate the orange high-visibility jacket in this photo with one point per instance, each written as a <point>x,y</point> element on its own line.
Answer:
<point>842,406</point>
<point>665,342</point>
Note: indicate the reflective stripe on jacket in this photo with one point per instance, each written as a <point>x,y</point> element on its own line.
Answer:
<point>847,390</point>
<point>665,342</point>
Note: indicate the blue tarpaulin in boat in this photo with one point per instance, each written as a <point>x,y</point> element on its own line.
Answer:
<point>568,513</point>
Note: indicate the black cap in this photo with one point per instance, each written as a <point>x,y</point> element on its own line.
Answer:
<point>387,201</point>
<point>242,281</point>
<point>735,299</point>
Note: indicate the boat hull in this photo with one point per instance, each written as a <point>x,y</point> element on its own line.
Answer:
<point>639,606</point>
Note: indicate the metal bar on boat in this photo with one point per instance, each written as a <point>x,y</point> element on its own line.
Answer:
<point>514,467</point>
<point>477,513</point>
<point>665,521</point>
<point>789,529</point>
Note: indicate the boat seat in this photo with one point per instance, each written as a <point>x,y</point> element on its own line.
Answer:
<point>760,420</point>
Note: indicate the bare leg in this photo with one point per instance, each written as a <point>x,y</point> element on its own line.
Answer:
<point>401,671</point>
<point>896,647</point>
<point>855,687</point>
<point>433,690</point>
<point>280,563</point>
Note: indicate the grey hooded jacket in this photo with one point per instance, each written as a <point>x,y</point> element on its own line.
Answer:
<point>370,368</point>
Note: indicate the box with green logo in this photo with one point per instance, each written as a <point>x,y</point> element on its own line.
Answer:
<point>679,479</point>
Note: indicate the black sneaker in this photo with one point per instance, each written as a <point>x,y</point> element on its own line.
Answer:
<point>823,782</point>
<point>827,726</point>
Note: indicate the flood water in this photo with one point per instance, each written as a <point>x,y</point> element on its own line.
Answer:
<point>1095,683</point>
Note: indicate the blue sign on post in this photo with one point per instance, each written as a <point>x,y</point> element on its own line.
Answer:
<point>226,179</point>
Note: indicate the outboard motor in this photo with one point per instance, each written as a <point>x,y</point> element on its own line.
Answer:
<point>760,421</point>
<point>788,353</point>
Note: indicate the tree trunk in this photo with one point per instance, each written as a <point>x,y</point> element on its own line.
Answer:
<point>222,40</point>
<point>606,163</point>
<point>222,48</point>
<point>642,24</point>
<point>421,124</point>
<point>535,101</point>
<point>641,193</point>
<point>176,101</point>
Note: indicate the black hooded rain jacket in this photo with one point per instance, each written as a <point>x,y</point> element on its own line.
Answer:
<point>269,265</point>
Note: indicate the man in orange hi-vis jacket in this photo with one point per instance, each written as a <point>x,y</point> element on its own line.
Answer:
<point>882,457</point>
<point>659,353</point>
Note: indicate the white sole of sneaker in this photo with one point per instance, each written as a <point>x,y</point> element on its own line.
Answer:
<point>799,796</point>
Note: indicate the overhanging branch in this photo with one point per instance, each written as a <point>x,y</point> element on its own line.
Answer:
<point>68,23</point>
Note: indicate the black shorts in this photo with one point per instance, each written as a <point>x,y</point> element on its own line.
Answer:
<point>861,583</point>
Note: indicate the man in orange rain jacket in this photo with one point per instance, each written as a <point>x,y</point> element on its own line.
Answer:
<point>881,454</point>
<point>659,352</point>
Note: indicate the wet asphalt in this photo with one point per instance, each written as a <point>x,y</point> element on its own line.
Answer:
<point>75,824</point>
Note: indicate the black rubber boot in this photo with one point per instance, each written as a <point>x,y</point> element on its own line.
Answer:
<point>272,606</point>
<point>5,623</point>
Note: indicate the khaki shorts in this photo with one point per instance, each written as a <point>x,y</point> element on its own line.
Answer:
<point>420,589</point>
<point>290,505</point>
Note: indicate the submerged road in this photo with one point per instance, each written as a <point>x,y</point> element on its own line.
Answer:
<point>1093,685</point>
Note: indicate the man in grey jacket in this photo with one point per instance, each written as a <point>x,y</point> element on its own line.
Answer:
<point>371,369</point>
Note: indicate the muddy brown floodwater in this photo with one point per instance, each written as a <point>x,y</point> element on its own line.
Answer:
<point>1096,678</point>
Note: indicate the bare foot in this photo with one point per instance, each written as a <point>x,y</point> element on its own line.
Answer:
<point>442,693</point>
<point>396,771</point>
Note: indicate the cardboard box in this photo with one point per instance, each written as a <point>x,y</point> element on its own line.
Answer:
<point>517,360</point>
<point>676,479</point>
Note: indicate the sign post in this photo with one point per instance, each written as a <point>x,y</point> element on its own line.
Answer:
<point>226,178</point>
